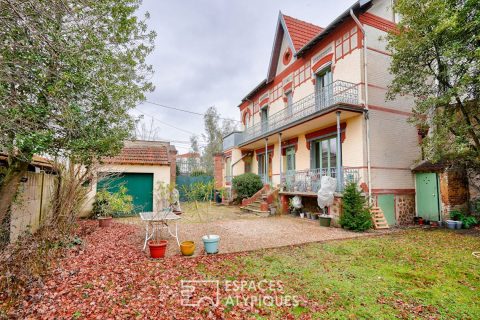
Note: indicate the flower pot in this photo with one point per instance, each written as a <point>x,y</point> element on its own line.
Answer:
<point>325,221</point>
<point>210,243</point>
<point>434,224</point>
<point>187,248</point>
<point>309,215</point>
<point>157,248</point>
<point>302,215</point>
<point>314,216</point>
<point>458,224</point>
<point>420,221</point>
<point>451,224</point>
<point>104,222</point>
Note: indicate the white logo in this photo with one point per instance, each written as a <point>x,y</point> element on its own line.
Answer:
<point>196,292</point>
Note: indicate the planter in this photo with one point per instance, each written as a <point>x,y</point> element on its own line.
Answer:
<point>187,248</point>
<point>104,222</point>
<point>210,243</point>
<point>157,248</point>
<point>458,224</point>
<point>451,224</point>
<point>273,211</point>
<point>434,224</point>
<point>420,221</point>
<point>325,221</point>
<point>302,215</point>
<point>309,215</point>
<point>314,216</point>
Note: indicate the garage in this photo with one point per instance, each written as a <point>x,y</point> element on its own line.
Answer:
<point>139,186</point>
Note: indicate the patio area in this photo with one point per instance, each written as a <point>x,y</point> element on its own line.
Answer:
<point>240,231</point>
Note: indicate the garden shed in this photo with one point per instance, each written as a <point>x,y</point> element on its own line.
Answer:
<point>140,167</point>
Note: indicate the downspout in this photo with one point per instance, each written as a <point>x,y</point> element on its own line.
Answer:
<point>365,71</point>
<point>245,155</point>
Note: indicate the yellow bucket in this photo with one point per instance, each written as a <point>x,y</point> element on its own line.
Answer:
<point>187,248</point>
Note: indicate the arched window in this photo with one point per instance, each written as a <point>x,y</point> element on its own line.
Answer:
<point>247,119</point>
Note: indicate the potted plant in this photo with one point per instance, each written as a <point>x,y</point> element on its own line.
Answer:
<point>302,215</point>
<point>108,204</point>
<point>157,246</point>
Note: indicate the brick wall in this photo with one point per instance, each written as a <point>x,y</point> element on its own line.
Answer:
<point>218,170</point>
<point>172,157</point>
<point>453,190</point>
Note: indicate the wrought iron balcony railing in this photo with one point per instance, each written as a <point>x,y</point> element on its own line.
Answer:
<point>335,93</point>
<point>309,180</point>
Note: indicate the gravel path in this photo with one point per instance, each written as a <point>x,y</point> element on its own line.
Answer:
<point>251,232</point>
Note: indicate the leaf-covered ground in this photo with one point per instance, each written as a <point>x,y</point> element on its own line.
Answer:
<point>412,274</point>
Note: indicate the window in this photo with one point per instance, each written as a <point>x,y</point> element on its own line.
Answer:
<point>289,103</point>
<point>290,159</point>
<point>346,43</point>
<point>324,89</point>
<point>264,119</point>
<point>228,167</point>
<point>323,153</point>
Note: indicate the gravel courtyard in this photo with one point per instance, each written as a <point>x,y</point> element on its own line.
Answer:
<point>240,231</point>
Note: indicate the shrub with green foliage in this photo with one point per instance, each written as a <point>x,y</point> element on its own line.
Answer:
<point>246,185</point>
<point>117,204</point>
<point>467,221</point>
<point>198,173</point>
<point>356,213</point>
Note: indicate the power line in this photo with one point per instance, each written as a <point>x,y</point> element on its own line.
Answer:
<point>183,110</point>
<point>167,124</point>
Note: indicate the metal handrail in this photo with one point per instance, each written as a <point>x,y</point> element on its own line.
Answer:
<point>336,92</point>
<point>309,180</point>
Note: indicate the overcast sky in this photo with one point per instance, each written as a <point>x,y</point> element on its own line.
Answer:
<point>212,53</point>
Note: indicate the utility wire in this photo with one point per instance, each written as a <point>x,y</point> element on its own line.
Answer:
<point>167,124</point>
<point>183,110</point>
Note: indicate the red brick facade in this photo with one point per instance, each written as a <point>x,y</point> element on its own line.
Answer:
<point>218,170</point>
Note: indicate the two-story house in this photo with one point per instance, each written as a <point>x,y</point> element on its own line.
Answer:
<point>322,110</point>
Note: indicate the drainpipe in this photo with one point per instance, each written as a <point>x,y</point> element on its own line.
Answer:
<point>365,72</point>
<point>266,161</point>
<point>339,155</point>
<point>280,154</point>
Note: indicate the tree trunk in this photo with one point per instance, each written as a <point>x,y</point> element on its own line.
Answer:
<point>10,184</point>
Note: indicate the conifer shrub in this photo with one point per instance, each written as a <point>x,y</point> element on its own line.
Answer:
<point>356,213</point>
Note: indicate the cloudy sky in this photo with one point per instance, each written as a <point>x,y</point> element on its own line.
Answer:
<point>212,53</point>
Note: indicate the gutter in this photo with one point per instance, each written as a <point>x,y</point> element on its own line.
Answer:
<point>365,71</point>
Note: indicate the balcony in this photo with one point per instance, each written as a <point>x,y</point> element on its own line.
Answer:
<point>309,180</point>
<point>338,92</point>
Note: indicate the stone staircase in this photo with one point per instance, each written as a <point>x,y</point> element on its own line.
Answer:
<point>258,206</point>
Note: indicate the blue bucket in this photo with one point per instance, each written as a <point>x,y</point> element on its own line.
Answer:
<point>211,243</point>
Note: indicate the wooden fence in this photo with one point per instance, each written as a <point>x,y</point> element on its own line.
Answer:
<point>32,203</point>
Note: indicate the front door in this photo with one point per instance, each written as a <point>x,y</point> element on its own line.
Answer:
<point>428,205</point>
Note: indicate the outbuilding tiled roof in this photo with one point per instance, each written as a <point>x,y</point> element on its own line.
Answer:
<point>151,155</point>
<point>300,31</point>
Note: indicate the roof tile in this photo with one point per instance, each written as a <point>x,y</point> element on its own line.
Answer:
<point>300,31</point>
<point>154,155</point>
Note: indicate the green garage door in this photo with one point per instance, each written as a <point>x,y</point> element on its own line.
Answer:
<point>139,186</point>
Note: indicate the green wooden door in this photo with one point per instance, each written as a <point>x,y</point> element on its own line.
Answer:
<point>427,196</point>
<point>387,203</point>
<point>139,186</point>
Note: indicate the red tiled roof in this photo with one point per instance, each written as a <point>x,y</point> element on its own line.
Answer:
<point>152,155</point>
<point>300,31</point>
<point>189,155</point>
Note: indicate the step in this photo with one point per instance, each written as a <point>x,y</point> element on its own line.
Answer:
<point>256,211</point>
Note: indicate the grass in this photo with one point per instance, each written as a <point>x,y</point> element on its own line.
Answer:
<point>411,274</point>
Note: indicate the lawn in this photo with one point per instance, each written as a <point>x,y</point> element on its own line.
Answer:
<point>409,274</point>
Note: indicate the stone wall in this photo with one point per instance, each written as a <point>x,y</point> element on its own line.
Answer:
<point>405,209</point>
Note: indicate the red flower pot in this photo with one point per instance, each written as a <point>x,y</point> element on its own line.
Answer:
<point>104,222</point>
<point>157,248</point>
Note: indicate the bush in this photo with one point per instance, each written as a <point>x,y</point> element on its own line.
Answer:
<point>356,213</point>
<point>246,185</point>
<point>199,191</point>
<point>198,173</point>
<point>118,204</point>
<point>467,221</point>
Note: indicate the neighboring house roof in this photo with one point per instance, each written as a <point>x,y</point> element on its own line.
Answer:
<point>37,161</point>
<point>300,31</point>
<point>189,155</point>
